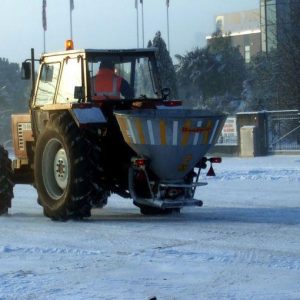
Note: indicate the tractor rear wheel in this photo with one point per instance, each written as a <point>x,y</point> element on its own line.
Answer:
<point>99,193</point>
<point>6,183</point>
<point>62,173</point>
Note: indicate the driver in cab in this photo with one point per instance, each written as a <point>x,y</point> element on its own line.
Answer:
<point>107,85</point>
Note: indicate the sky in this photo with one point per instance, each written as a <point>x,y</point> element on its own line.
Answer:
<point>103,24</point>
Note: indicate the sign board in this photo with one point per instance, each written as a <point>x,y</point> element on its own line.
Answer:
<point>228,135</point>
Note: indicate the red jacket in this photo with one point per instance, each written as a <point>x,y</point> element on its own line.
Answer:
<point>106,85</point>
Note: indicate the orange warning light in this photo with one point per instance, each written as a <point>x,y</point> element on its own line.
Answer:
<point>69,45</point>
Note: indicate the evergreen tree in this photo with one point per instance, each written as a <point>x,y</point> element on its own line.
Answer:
<point>212,76</point>
<point>263,78</point>
<point>196,73</point>
<point>14,95</point>
<point>232,71</point>
<point>275,76</point>
<point>165,65</point>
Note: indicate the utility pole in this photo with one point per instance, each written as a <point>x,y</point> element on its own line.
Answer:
<point>71,21</point>
<point>143,28</point>
<point>137,24</point>
<point>44,18</point>
<point>168,27</point>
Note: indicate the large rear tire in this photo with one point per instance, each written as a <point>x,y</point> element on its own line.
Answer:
<point>99,192</point>
<point>6,183</point>
<point>62,173</point>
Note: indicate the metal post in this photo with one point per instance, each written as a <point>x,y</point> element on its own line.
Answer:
<point>168,28</point>
<point>137,25</point>
<point>143,29</point>
<point>44,41</point>
<point>32,72</point>
<point>71,23</point>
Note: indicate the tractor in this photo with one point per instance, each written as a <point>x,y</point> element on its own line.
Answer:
<point>77,150</point>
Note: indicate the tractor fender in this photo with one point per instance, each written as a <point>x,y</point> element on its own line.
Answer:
<point>84,116</point>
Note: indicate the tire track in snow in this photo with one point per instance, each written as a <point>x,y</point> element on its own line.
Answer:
<point>40,250</point>
<point>262,258</point>
<point>259,174</point>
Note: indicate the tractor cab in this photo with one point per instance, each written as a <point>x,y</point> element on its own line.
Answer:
<point>69,77</point>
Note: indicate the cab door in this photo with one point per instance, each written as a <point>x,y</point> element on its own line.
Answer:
<point>45,94</point>
<point>56,86</point>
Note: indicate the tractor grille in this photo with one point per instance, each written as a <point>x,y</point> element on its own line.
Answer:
<point>21,128</point>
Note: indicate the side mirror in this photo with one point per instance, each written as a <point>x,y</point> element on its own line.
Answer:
<point>26,70</point>
<point>78,93</point>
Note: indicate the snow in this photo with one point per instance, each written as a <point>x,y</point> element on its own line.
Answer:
<point>244,243</point>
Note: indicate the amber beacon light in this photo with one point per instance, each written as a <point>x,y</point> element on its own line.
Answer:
<point>69,45</point>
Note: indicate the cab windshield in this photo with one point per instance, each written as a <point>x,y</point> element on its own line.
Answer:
<point>136,75</point>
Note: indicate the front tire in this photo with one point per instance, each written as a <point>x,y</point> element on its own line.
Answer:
<point>62,171</point>
<point>6,183</point>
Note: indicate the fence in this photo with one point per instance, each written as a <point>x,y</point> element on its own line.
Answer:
<point>283,130</point>
<point>277,132</point>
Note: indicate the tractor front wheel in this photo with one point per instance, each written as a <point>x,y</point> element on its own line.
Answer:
<point>61,170</point>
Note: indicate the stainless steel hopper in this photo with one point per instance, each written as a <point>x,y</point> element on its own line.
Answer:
<point>174,140</point>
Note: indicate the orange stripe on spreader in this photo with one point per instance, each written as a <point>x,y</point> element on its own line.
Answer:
<point>139,128</point>
<point>163,133</point>
<point>124,129</point>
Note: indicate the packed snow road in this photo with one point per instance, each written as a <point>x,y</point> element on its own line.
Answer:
<point>243,244</point>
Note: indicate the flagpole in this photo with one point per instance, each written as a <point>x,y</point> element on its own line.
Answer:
<point>71,21</point>
<point>44,41</point>
<point>143,28</point>
<point>44,19</point>
<point>71,26</point>
<point>137,24</point>
<point>168,27</point>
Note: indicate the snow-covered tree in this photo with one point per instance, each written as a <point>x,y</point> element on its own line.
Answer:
<point>196,75</point>
<point>261,88</point>
<point>275,75</point>
<point>165,64</point>
<point>232,70</point>
<point>212,76</point>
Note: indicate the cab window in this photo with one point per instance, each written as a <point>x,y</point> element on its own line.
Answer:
<point>70,78</point>
<point>47,84</point>
<point>137,71</point>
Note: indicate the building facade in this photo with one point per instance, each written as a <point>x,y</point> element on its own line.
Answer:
<point>243,28</point>
<point>279,21</point>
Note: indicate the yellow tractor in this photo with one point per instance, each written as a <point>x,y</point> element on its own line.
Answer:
<point>77,149</point>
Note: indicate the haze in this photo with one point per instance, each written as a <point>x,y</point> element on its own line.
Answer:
<point>107,24</point>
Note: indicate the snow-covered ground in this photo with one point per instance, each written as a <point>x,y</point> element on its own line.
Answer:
<point>243,244</point>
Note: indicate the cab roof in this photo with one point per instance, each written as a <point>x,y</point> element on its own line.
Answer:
<point>104,52</point>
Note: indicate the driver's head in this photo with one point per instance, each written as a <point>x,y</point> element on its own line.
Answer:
<point>107,63</point>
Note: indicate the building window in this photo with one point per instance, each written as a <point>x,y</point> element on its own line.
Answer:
<point>247,54</point>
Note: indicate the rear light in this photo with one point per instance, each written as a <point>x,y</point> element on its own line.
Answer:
<point>215,160</point>
<point>172,103</point>
<point>139,162</point>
